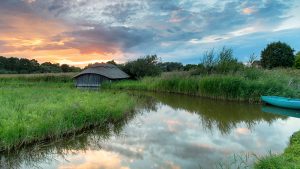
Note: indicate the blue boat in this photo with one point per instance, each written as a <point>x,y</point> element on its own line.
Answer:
<point>281,111</point>
<point>282,102</point>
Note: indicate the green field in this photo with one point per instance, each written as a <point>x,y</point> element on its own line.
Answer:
<point>247,85</point>
<point>35,108</point>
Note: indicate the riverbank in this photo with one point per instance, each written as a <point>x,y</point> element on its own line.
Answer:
<point>247,85</point>
<point>35,111</point>
<point>39,107</point>
<point>289,159</point>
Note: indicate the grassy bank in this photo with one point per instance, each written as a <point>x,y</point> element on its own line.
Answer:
<point>247,85</point>
<point>49,110</point>
<point>290,159</point>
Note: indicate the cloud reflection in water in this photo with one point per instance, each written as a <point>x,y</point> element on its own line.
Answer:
<point>183,132</point>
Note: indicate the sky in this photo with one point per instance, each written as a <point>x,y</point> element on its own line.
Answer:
<point>78,32</point>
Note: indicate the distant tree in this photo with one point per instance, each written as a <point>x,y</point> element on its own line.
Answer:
<point>170,66</point>
<point>209,61</point>
<point>75,69</point>
<point>297,61</point>
<point>49,67</point>
<point>226,62</point>
<point>3,63</point>
<point>189,67</point>
<point>144,66</point>
<point>111,62</point>
<point>12,64</point>
<point>277,54</point>
<point>252,59</point>
<point>65,68</point>
<point>23,65</point>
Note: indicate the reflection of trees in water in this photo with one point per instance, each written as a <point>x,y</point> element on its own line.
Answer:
<point>224,115</point>
<point>47,151</point>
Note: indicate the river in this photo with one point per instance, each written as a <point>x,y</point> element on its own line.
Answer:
<point>168,131</point>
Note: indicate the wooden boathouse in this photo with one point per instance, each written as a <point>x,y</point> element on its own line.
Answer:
<point>95,75</point>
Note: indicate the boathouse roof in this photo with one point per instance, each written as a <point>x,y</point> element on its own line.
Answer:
<point>108,70</point>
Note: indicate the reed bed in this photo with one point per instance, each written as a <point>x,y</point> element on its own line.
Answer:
<point>247,85</point>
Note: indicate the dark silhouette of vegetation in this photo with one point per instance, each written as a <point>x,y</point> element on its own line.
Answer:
<point>189,67</point>
<point>277,54</point>
<point>67,68</point>
<point>209,61</point>
<point>14,65</point>
<point>170,66</point>
<point>144,66</point>
<point>297,61</point>
<point>111,62</point>
<point>226,62</point>
<point>221,63</point>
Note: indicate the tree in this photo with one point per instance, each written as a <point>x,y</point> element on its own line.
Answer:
<point>189,67</point>
<point>48,67</point>
<point>277,54</point>
<point>111,62</point>
<point>23,65</point>
<point>65,68</point>
<point>209,61</point>
<point>144,66</point>
<point>297,61</point>
<point>170,66</point>
<point>252,59</point>
<point>226,62</point>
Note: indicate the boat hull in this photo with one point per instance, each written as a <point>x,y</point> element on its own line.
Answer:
<point>282,102</point>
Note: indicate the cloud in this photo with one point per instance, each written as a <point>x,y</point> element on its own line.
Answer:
<point>95,160</point>
<point>102,39</point>
<point>127,29</point>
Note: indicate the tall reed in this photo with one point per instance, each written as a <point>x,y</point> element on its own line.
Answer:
<point>247,85</point>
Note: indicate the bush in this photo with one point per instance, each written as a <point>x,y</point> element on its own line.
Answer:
<point>277,54</point>
<point>297,61</point>
<point>145,66</point>
<point>170,66</point>
<point>226,62</point>
<point>223,63</point>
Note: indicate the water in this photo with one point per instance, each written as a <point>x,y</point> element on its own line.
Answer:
<point>168,131</point>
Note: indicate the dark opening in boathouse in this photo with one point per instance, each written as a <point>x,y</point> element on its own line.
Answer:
<point>95,75</point>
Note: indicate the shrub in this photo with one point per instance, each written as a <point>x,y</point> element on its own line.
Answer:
<point>297,61</point>
<point>170,66</point>
<point>226,62</point>
<point>145,66</point>
<point>277,54</point>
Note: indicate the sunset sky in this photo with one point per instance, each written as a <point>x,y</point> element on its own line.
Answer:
<point>79,32</point>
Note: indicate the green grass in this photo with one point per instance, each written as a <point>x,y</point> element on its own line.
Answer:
<point>45,109</point>
<point>290,159</point>
<point>247,85</point>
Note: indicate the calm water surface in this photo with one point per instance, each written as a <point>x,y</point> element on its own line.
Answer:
<point>168,131</point>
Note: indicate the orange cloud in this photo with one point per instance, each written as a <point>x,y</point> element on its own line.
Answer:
<point>242,131</point>
<point>94,160</point>
<point>44,39</point>
<point>248,11</point>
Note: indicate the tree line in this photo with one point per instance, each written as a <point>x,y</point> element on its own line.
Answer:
<point>15,65</point>
<point>276,54</point>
